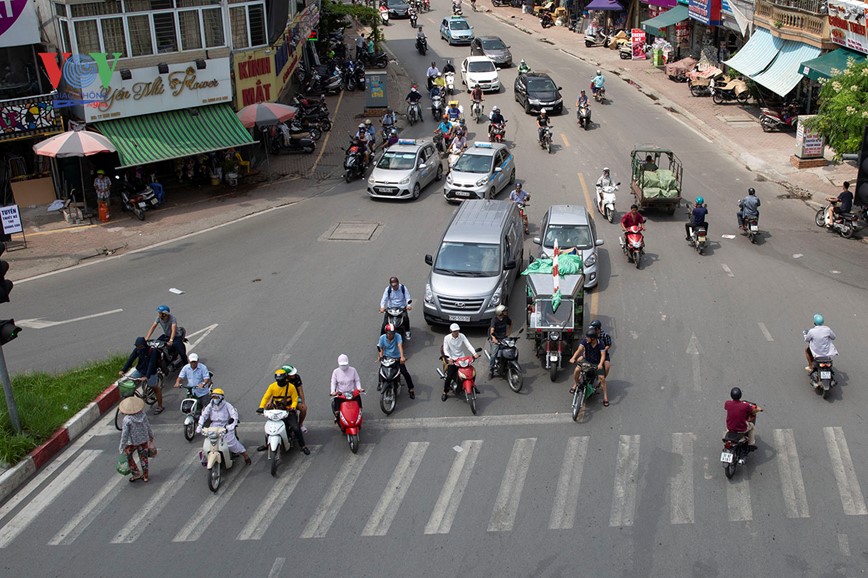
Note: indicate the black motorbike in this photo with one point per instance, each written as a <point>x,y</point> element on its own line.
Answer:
<point>584,115</point>
<point>300,128</point>
<point>378,60</point>
<point>300,145</point>
<point>823,376</point>
<point>389,383</point>
<point>735,449</point>
<point>506,362</point>
<point>395,316</point>
<point>354,162</point>
<point>168,359</point>
<point>732,91</point>
<point>422,45</point>
<point>413,20</point>
<point>318,84</point>
<point>546,21</point>
<point>137,198</point>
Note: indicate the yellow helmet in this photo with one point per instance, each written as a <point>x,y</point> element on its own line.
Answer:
<point>280,375</point>
<point>217,391</point>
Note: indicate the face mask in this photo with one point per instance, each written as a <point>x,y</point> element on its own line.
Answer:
<point>216,401</point>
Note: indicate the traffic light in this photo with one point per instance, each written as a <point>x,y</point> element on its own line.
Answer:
<point>8,331</point>
<point>5,284</point>
<point>313,36</point>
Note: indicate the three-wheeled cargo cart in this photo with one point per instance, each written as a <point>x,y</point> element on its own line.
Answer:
<point>655,180</point>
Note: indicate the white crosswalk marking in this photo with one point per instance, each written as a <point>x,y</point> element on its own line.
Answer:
<point>506,503</point>
<point>79,523</point>
<point>380,520</point>
<point>567,493</point>
<point>447,504</point>
<point>319,524</point>
<point>149,512</point>
<point>842,466</point>
<point>279,493</point>
<point>738,500</point>
<point>624,494</point>
<point>681,484</point>
<point>211,507</point>
<point>792,484</point>
<point>44,498</point>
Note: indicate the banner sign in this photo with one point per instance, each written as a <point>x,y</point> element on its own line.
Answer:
<point>18,24</point>
<point>11,218</point>
<point>847,24</point>
<point>705,11</point>
<point>637,40</point>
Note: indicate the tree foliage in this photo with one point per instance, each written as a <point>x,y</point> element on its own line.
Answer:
<point>843,110</point>
<point>335,15</point>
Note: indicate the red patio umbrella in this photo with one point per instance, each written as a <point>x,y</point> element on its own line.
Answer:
<point>75,143</point>
<point>265,114</point>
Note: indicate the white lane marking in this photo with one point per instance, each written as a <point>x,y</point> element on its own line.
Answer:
<point>506,503</point>
<point>85,517</point>
<point>276,567</point>
<point>765,331</point>
<point>844,544</point>
<point>40,323</point>
<point>319,524</point>
<point>569,482</point>
<point>447,504</point>
<point>797,255</point>
<point>842,466</point>
<point>279,493</point>
<point>212,506</point>
<point>624,491</point>
<point>146,515</point>
<point>205,331</point>
<point>695,131</point>
<point>385,511</point>
<point>693,350</point>
<point>38,504</point>
<point>681,483</point>
<point>738,501</point>
<point>279,358</point>
<point>792,484</point>
<point>726,268</point>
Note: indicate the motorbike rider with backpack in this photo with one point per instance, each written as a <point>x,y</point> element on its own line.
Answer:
<point>396,295</point>
<point>737,414</point>
<point>281,394</point>
<point>697,218</point>
<point>173,332</point>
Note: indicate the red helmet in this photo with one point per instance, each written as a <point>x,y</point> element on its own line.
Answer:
<point>390,328</point>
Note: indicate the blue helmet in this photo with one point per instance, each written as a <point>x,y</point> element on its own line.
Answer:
<point>818,319</point>
<point>163,309</point>
<point>700,200</point>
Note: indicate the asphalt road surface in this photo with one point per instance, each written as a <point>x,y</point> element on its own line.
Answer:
<point>634,489</point>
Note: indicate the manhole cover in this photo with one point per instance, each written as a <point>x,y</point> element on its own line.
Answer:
<point>732,119</point>
<point>349,231</point>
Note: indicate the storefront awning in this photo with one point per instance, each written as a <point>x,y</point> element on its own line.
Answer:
<point>783,74</point>
<point>755,56</point>
<point>149,138</point>
<point>823,66</point>
<point>668,18</point>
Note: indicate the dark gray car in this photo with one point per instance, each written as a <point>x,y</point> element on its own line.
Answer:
<point>492,47</point>
<point>397,8</point>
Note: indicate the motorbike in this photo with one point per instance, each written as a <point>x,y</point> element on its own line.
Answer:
<point>466,378</point>
<point>354,162</point>
<point>277,439</point>
<point>634,245</point>
<point>606,200</point>
<point>390,137</point>
<point>734,90</point>
<point>138,200</point>
<point>437,106</point>
<point>506,362</point>
<point>497,131</point>
<point>350,418</point>
<point>598,39</point>
<point>317,84</point>
<point>822,375</point>
<point>414,113</point>
<point>384,15</point>
<point>476,110</point>
<point>168,359</point>
<point>215,455</point>
<point>389,384</point>
<point>395,316</point>
<point>599,93</point>
<point>422,45</point>
<point>698,238</point>
<point>786,119</point>
<point>703,86</point>
<point>425,6</point>
<point>735,449</point>
<point>625,51</point>
<point>546,21</point>
<point>378,60</point>
<point>584,115</point>
<point>588,385</point>
<point>499,3</point>
<point>453,156</point>
<point>845,224</point>
<point>300,145</point>
<point>192,407</point>
<point>301,129</point>
<point>456,9</point>
<point>413,18</point>
<point>545,139</point>
<point>450,82</point>
<point>751,225</point>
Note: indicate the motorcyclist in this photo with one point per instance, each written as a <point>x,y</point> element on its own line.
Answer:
<point>456,5</point>
<point>697,218</point>
<point>390,120</point>
<point>364,141</point>
<point>738,413</point>
<point>453,111</point>
<point>605,179</point>
<point>396,295</point>
<point>345,379</point>
<point>282,394</point>
<point>845,198</point>
<point>221,413</point>
<point>455,345</point>
<point>420,36</point>
<point>591,350</point>
<point>459,143</point>
<point>582,100</point>
<point>598,82</point>
<point>391,345</point>
<point>606,341</point>
<point>633,218</point>
<point>173,333</point>
<point>196,377</point>
<point>748,207</point>
<point>295,379</point>
<point>461,129</point>
<point>411,12</point>
<point>542,122</point>
<point>448,67</point>
<point>523,67</point>
<point>819,340</point>
<point>146,360</point>
<point>445,129</point>
<point>476,94</point>
<point>413,97</point>
<point>520,197</point>
<point>501,327</point>
<point>495,118</point>
<point>432,73</point>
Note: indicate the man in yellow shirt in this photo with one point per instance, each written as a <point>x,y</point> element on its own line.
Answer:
<point>282,395</point>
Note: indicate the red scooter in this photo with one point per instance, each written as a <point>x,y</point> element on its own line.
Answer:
<point>466,377</point>
<point>634,246</point>
<point>786,119</point>
<point>350,417</point>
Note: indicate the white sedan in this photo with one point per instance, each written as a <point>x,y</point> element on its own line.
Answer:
<point>480,70</point>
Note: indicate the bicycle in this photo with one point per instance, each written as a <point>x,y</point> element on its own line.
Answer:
<point>129,386</point>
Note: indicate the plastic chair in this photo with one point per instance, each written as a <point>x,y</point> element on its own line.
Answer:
<point>242,163</point>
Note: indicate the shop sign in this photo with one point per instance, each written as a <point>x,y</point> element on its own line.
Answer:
<point>288,57</point>
<point>809,144</point>
<point>255,79</point>
<point>637,40</point>
<point>705,11</point>
<point>18,24</point>
<point>22,117</point>
<point>11,219</point>
<point>847,24</point>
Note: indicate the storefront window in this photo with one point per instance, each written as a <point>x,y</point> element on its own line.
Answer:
<point>96,8</point>
<point>238,19</point>
<point>256,16</point>
<point>113,36</point>
<point>213,21</point>
<point>87,36</point>
<point>164,27</point>
<point>140,35</point>
<point>191,35</point>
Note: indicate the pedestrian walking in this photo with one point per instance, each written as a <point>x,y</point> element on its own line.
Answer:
<point>136,433</point>
<point>360,47</point>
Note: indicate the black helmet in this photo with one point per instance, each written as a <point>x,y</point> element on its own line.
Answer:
<point>735,393</point>
<point>751,191</point>
<point>596,324</point>
<point>591,333</point>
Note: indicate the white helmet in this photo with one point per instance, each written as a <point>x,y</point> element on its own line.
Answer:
<point>598,72</point>
<point>454,327</point>
<point>605,169</point>
<point>361,125</point>
<point>495,109</point>
<point>499,309</point>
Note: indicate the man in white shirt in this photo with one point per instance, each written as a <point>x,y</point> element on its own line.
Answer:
<point>344,379</point>
<point>432,73</point>
<point>455,345</point>
<point>819,340</point>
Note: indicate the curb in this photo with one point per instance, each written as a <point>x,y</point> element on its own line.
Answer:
<point>18,475</point>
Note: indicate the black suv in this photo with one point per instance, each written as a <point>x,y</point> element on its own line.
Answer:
<point>536,91</point>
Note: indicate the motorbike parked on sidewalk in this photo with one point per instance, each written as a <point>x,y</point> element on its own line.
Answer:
<point>734,90</point>
<point>277,440</point>
<point>606,200</point>
<point>389,383</point>
<point>633,244</point>
<point>300,129</point>
<point>598,39</point>
<point>735,448</point>
<point>845,224</point>
<point>466,378</point>
<point>497,131</point>
<point>784,120</point>
<point>192,407</point>
<point>316,84</point>
<point>350,418</point>
<point>215,455</point>
<point>584,116</point>
<point>137,199</point>
<point>545,139</point>
<point>588,385</point>
<point>293,145</point>
<point>506,362</point>
<point>545,20</point>
<point>378,60</point>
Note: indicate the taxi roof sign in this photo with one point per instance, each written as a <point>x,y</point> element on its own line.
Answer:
<point>406,141</point>
<point>483,145</point>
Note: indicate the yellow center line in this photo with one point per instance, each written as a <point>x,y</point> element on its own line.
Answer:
<point>564,137</point>
<point>589,205</point>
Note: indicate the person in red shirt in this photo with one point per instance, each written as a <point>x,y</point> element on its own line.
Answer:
<point>632,218</point>
<point>737,416</point>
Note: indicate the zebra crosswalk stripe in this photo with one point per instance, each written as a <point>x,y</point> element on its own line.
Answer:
<point>792,484</point>
<point>624,492</point>
<point>380,520</point>
<point>80,522</point>
<point>447,504</point>
<point>738,501</point>
<point>506,503</point>
<point>842,466</point>
<point>319,524</point>
<point>681,483</point>
<point>569,482</point>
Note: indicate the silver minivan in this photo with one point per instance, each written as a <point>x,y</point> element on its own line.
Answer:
<point>572,227</point>
<point>476,265</point>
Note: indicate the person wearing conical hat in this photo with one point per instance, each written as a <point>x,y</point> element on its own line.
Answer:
<point>135,434</point>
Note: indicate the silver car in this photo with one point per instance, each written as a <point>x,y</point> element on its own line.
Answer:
<point>484,169</point>
<point>492,47</point>
<point>404,170</point>
<point>573,228</point>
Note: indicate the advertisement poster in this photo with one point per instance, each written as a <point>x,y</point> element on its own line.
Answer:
<point>637,40</point>
<point>705,11</point>
<point>11,219</point>
<point>847,24</point>
<point>18,23</point>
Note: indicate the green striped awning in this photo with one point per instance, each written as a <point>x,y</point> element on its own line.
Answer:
<point>149,138</point>
<point>825,66</point>
<point>672,16</point>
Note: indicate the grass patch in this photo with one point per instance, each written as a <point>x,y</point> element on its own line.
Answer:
<point>45,401</point>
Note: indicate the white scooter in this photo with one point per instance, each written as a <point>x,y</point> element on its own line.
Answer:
<point>215,455</point>
<point>606,200</point>
<point>384,15</point>
<point>450,82</point>
<point>453,156</point>
<point>476,110</point>
<point>277,440</point>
